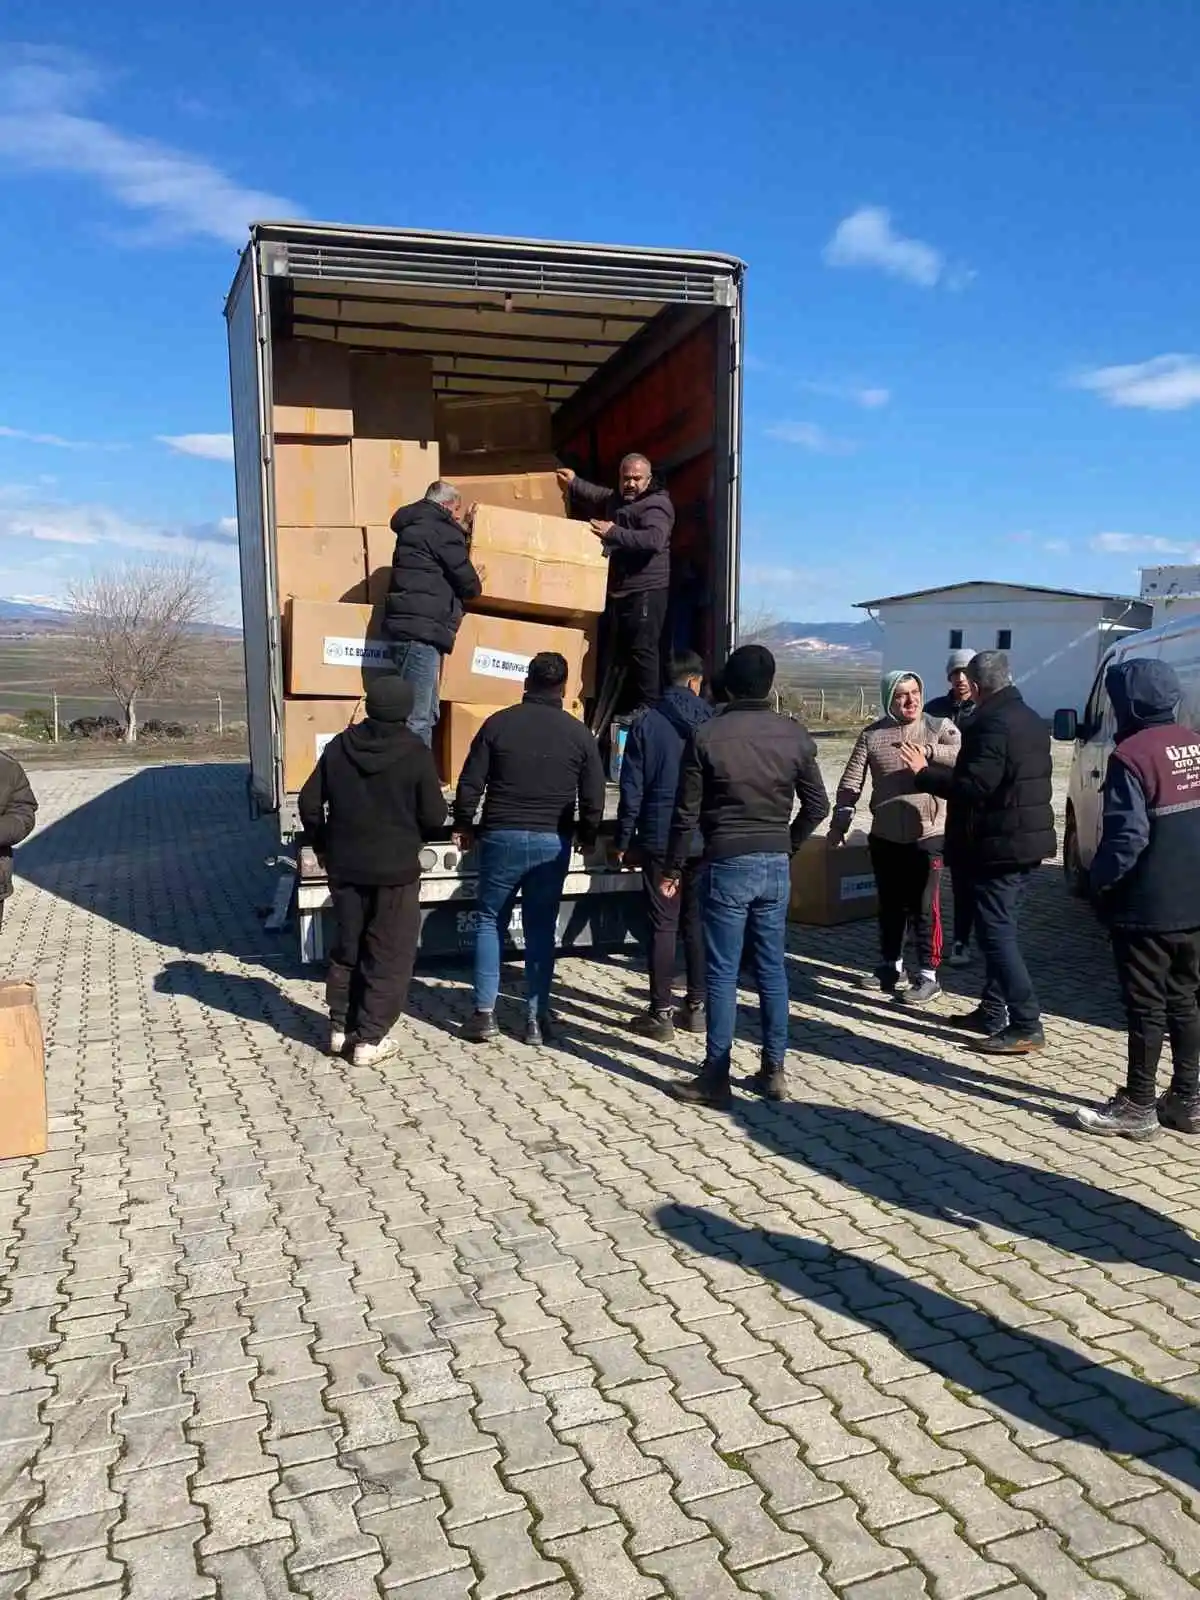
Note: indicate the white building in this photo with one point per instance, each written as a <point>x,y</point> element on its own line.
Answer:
<point>1053,637</point>
<point>1172,591</point>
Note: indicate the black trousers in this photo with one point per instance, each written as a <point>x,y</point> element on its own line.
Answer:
<point>371,965</point>
<point>964,904</point>
<point>1159,974</point>
<point>666,918</point>
<point>908,886</point>
<point>633,655</point>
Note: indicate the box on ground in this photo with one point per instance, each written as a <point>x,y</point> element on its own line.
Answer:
<point>536,565</point>
<point>22,1072</point>
<point>457,726</point>
<point>516,491</point>
<point>312,484</point>
<point>310,380</point>
<point>392,395</point>
<point>388,474</point>
<point>308,726</point>
<point>334,649</point>
<point>832,886</point>
<point>476,424</point>
<point>491,656</point>
<point>327,564</point>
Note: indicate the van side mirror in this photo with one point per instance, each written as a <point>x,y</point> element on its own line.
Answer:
<point>1066,726</point>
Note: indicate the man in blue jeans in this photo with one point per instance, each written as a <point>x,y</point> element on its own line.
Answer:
<point>741,774</point>
<point>531,764</point>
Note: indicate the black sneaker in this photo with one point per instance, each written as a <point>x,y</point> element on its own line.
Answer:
<point>480,1028</point>
<point>1012,1041</point>
<point>770,1081</point>
<point>1180,1112</point>
<point>920,993</point>
<point>705,1089</point>
<point>1120,1118</point>
<point>691,1017</point>
<point>652,1024</point>
<point>534,1034</point>
<point>976,1021</point>
<point>884,979</point>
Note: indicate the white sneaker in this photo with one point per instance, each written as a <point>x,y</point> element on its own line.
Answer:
<point>369,1055</point>
<point>337,1042</point>
<point>960,956</point>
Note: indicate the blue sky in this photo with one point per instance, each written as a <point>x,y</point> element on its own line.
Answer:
<point>972,316</point>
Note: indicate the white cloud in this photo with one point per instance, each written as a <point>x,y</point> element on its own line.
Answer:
<point>227,527</point>
<point>27,436</point>
<point>1139,544</point>
<point>866,238</point>
<point>42,94</point>
<point>812,438</point>
<point>870,399</point>
<point>1165,383</point>
<point>30,519</point>
<point>1057,547</point>
<point>208,446</point>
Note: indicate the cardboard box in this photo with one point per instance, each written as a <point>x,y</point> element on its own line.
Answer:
<point>311,383</point>
<point>381,546</point>
<point>537,566</point>
<point>392,395</point>
<point>308,726</point>
<point>328,564</point>
<point>456,730</point>
<point>832,886</point>
<point>497,464</point>
<point>491,658</point>
<point>388,474</point>
<point>333,649</point>
<point>515,491</point>
<point>22,1072</point>
<point>478,423</point>
<point>312,484</point>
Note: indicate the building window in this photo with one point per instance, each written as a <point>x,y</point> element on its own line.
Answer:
<point>956,638</point>
<point>1003,638</point>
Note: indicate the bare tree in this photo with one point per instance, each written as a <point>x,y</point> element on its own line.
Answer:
<point>136,627</point>
<point>757,625</point>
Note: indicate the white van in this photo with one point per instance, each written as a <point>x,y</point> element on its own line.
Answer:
<point>1093,734</point>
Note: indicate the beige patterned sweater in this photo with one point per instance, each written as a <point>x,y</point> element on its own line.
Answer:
<point>898,812</point>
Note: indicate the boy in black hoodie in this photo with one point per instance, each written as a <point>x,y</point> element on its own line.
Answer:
<point>372,801</point>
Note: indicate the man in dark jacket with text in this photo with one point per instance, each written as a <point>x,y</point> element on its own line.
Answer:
<point>741,774</point>
<point>634,524</point>
<point>18,812</point>
<point>1000,826</point>
<point>366,810</point>
<point>431,577</point>
<point>649,781</point>
<point>1146,881</point>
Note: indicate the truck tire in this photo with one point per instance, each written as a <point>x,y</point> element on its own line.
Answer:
<point>1073,869</point>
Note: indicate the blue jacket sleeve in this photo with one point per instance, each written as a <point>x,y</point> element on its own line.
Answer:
<point>633,785</point>
<point>1126,827</point>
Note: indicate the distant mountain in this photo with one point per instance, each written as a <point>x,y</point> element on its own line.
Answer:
<point>28,617</point>
<point>855,643</point>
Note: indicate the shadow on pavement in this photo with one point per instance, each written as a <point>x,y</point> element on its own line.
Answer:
<point>1024,1376</point>
<point>254,999</point>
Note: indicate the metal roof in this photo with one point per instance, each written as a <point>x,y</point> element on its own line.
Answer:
<point>996,583</point>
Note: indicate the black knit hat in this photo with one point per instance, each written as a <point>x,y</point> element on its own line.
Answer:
<point>749,673</point>
<point>389,698</point>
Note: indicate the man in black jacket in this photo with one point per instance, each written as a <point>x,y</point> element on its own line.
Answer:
<point>1000,826</point>
<point>957,705</point>
<point>634,523</point>
<point>431,577</point>
<point>531,765</point>
<point>372,800</point>
<point>740,775</point>
<point>1146,881</point>
<point>649,781</point>
<point>18,812</point>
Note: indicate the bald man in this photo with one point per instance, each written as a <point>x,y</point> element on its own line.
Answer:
<point>634,523</point>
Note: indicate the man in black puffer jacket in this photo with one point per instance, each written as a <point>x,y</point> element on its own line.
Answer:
<point>1146,880</point>
<point>431,577</point>
<point>366,810</point>
<point>1000,825</point>
<point>649,780</point>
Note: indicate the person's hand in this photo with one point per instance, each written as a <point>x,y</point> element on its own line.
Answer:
<point>601,528</point>
<point>464,839</point>
<point>836,838</point>
<point>565,476</point>
<point>669,886</point>
<point>913,758</point>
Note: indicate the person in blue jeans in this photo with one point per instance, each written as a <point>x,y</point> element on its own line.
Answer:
<point>741,773</point>
<point>533,766</point>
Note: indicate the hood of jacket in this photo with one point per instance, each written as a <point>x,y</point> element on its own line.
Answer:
<point>422,513</point>
<point>1144,694</point>
<point>888,684</point>
<point>374,746</point>
<point>684,710</point>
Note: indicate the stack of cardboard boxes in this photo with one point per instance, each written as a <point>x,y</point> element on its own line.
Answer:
<point>357,434</point>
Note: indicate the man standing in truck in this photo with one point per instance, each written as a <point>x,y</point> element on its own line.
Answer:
<point>431,577</point>
<point>634,523</point>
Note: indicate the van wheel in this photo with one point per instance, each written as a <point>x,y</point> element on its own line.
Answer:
<point>1073,871</point>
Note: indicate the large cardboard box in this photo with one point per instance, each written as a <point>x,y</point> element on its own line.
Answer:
<point>312,484</point>
<point>22,1072</point>
<point>516,491</point>
<point>392,395</point>
<point>832,886</point>
<point>381,546</point>
<point>537,566</point>
<point>497,464</point>
<point>308,726</point>
<point>491,657</point>
<point>311,383</point>
<point>478,423</point>
<point>327,564</point>
<point>333,649</point>
<point>456,730</point>
<point>388,474</point>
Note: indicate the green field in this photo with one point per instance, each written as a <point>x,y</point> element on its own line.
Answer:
<point>32,669</point>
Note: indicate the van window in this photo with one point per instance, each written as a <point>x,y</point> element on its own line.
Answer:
<point>1189,705</point>
<point>1093,713</point>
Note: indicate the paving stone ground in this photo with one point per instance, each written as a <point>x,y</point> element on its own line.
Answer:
<point>493,1321</point>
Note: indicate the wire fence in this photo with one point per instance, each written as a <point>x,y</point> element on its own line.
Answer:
<point>46,712</point>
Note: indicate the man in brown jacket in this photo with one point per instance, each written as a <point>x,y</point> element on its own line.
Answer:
<point>18,811</point>
<point>906,833</point>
